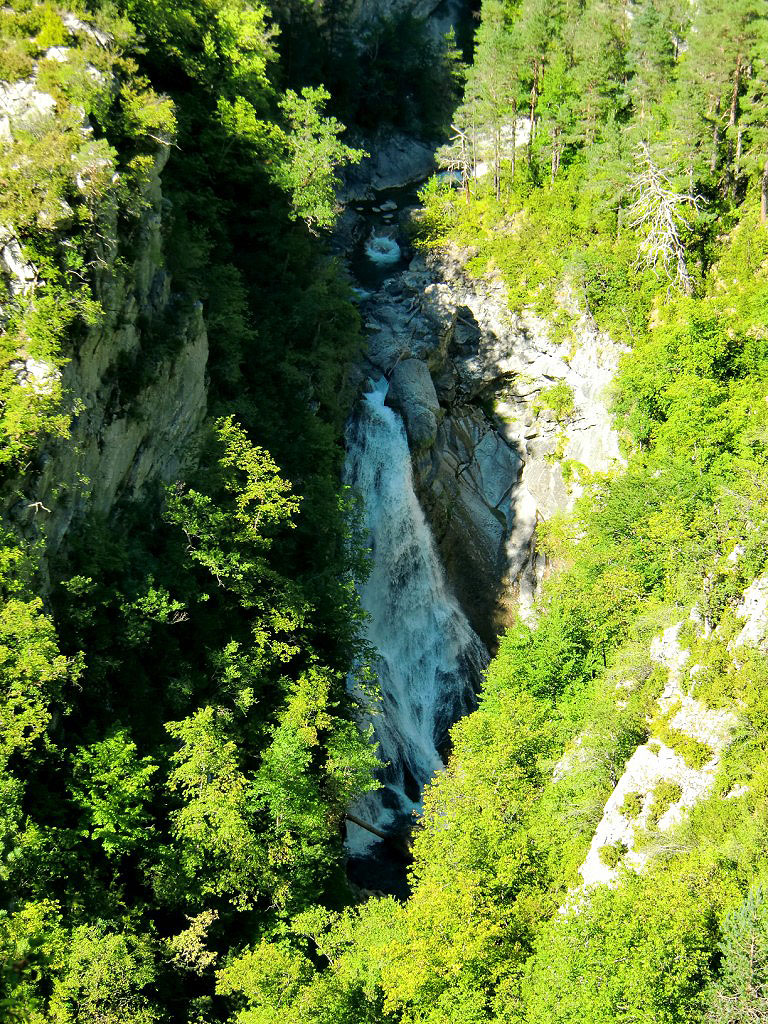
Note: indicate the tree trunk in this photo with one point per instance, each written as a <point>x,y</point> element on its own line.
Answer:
<point>764,194</point>
<point>734,114</point>
<point>497,162</point>
<point>534,101</point>
<point>474,148</point>
<point>733,158</point>
<point>555,153</point>
<point>715,137</point>
<point>514,144</point>
<point>466,168</point>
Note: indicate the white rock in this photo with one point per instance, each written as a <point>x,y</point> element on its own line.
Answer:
<point>75,25</point>
<point>736,554</point>
<point>654,762</point>
<point>754,610</point>
<point>58,53</point>
<point>22,102</point>
<point>21,274</point>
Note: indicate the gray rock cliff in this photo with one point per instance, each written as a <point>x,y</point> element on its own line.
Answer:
<point>135,386</point>
<point>491,458</point>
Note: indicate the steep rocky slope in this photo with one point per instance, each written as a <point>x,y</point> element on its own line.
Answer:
<point>135,384</point>
<point>491,458</point>
<point>677,767</point>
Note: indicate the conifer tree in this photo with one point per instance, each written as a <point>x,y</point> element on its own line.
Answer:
<point>598,54</point>
<point>650,57</point>
<point>493,83</point>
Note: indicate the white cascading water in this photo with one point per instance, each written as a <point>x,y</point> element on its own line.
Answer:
<point>382,249</point>
<point>429,656</point>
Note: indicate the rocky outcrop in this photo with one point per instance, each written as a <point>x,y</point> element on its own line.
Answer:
<point>496,458</point>
<point>395,159</point>
<point>753,609</point>
<point>655,763</point>
<point>136,386</point>
<point>412,394</point>
<point>467,483</point>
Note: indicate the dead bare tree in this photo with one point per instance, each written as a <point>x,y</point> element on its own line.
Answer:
<point>462,161</point>
<point>659,213</point>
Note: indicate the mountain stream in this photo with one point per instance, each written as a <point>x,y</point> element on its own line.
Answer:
<point>429,658</point>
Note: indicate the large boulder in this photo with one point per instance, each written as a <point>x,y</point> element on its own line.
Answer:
<point>465,483</point>
<point>412,393</point>
<point>395,160</point>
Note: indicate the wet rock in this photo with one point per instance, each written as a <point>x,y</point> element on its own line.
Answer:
<point>350,228</point>
<point>479,429</point>
<point>412,393</point>
<point>465,483</point>
<point>396,159</point>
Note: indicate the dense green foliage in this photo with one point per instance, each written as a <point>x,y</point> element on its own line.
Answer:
<point>657,118</point>
<point>667,107</point>
<point>177,748</point>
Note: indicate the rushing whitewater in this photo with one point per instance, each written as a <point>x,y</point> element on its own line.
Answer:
<point>429,656</point>
<point>382,249</point>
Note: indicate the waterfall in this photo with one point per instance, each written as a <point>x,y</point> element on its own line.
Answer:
<point>429,656</point>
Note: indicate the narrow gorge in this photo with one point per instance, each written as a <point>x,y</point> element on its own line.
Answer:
<point>452,440</point>
<point>384,545</point>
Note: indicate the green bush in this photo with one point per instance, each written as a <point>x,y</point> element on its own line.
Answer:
<point>558,399</point>
<point>16,61</point>
<point>665,794</point>
<point>52,31</point>
<point>612,853</point>
<point>693,751</point>
<point>632,806</point>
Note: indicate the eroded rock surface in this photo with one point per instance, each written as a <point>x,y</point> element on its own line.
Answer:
<point>136,386</point>
<point>492,460</point>
<point>412,394</point>
<point>394,159</point>
<point>753,609</point>
<point>656,762</point>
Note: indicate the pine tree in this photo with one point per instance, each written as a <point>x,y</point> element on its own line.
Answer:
<point>598,52</point>
<point>493,83</point>
<point>556,104</point>
<point>756,131</point>
<point>741,993</point>
<point>650,57</point>
<point>533,32</point>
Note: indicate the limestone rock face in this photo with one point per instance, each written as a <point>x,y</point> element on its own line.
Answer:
<point>395,159</point>
<point>654,762</point>
<point>754,611</point>
<point>466,482</point>
<point>412,394</point>
<point>20,103</point>
<point>136,386</point>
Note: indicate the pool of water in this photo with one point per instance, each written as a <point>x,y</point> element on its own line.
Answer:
<point>382,251</point>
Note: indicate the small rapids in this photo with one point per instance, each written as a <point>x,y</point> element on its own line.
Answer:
<point>429,657</point>
<point>382,250</point>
